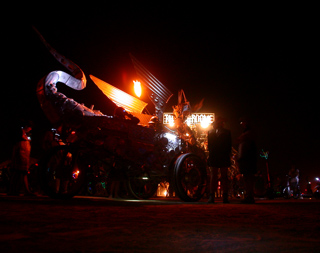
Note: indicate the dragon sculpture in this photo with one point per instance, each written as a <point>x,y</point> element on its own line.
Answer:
<point>120,134</point>
<point>152,149</point>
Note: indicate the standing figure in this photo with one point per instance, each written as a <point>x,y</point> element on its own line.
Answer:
<point>219,146</point>
<point>21,161</point>
<point>247,159</point>
<point>294,181</point>
<point>53,139</point>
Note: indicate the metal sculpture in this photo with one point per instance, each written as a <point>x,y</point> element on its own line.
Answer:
<point>55,104</point>
<point>116,144</point>
<point>160,94</point>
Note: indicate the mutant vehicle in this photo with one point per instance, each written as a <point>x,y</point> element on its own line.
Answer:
<point>128,146</point>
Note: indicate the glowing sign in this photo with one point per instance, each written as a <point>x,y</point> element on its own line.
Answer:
<point>193,119</point>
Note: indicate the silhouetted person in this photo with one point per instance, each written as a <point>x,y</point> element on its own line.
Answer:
<point>294,181</point>
<point>21,161</point>
<point>219,145</point>
<point>52,139</point>
<point>121,113</point>
<point>247,159</point>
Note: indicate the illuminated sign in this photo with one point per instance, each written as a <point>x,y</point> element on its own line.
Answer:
<point>193,119</point>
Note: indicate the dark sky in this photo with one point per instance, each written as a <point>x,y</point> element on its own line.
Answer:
<point>256,61</point>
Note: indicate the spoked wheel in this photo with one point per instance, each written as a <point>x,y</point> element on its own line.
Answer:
<point>141,185</point>
<point>61,176</point>
<point>190,177</point>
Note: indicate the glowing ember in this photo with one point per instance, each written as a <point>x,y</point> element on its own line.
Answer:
<point>163,189</point>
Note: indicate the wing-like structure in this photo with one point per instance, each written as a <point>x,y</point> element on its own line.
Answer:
<point>160,94</point>
<point>119,97</point>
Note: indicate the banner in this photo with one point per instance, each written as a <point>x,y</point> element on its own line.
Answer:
<point>193,119</point>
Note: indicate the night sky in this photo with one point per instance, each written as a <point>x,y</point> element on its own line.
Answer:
<point>254,61</point>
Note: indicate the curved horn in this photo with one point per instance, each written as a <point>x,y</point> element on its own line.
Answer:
<point>78,79</point>
<point>55,104</point>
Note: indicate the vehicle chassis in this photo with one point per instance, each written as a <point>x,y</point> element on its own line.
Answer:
<point>139,155</point>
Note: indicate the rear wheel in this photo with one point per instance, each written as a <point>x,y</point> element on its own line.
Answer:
<point>61,176</point>
<point>190,177</point>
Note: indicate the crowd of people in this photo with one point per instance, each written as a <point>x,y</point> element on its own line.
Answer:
<point>219,159</point>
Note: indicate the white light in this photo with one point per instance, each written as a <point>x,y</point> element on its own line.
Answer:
<point>170,136</point>
<point>171,122</point>
<point>317,178</point>
<point>205,122</point>
<point>137,88</point>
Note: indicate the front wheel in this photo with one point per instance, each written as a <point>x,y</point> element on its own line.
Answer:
<point>190,177</point>
<point>61,175</point>
<point>141,185</point>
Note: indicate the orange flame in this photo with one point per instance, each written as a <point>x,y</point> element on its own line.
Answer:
<point>137,88</point>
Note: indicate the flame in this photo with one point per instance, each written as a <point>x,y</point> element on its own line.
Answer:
<point>163,189</point>
<point>119,97</point>
<point>137,88</point>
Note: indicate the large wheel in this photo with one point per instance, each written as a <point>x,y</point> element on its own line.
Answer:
<point>141,185</point>
<point>61,175</point>
<point>190,177</point>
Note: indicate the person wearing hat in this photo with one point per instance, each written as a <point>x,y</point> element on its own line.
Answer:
<point>219,145</point>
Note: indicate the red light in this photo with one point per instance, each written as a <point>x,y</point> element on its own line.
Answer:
<point>75,174</point>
